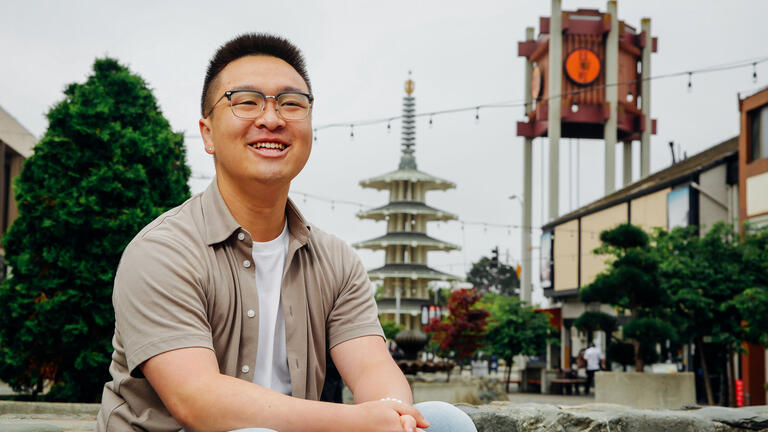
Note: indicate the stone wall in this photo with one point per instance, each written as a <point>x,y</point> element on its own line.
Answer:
<point>494,417</point>
<point>508,417</point>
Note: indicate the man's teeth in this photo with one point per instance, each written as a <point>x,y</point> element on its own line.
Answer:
<point>269,145</point>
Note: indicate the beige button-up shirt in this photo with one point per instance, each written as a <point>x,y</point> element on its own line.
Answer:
<point>186,280</point>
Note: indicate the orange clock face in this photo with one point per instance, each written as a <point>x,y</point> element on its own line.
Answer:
<point>582,66</point>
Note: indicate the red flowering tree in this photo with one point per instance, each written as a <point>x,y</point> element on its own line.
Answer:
<point>462,331</point>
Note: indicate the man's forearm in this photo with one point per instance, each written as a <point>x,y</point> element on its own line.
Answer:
<point>381,380</point>
<point>222,403</point>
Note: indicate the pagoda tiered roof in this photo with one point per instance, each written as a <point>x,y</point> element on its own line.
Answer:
<point>407,207</point>
<point>405,238</point>
<point>412,271</point>
<point>428,181</point>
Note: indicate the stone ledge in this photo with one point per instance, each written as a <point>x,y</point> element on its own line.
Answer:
<point>506,416</point>
<point>494,417</point>
<point>47,417</point>
<point>12,407</point>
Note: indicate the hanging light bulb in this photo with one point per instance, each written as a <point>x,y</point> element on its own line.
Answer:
<point>352,131</point>
<point>314,134</point>
<point>754,73</point>
<point>477,115</point>
<point>389,126</point>
<point>430,121</point>
<point>690,83</point>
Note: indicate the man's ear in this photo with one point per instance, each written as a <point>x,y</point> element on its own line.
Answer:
<point>205,133</point>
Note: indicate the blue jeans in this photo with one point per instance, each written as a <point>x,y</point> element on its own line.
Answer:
<point>442,417</point>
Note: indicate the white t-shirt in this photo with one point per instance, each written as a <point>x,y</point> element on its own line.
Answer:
<point>593,356</point>
<point>271,368</point>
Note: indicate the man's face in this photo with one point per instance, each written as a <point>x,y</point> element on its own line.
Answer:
<point>241,145</point>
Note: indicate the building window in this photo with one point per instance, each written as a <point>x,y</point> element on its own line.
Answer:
<point>758,133</point>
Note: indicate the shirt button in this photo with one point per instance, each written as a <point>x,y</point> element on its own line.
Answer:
<point>246,263</point>
<point>245,369</point>
<point>241,236</point>
<point>251,313</point>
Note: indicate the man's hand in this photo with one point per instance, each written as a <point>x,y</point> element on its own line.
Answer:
<point>391,416</point>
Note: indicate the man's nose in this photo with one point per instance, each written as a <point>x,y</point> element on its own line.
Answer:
<point>270,118</point>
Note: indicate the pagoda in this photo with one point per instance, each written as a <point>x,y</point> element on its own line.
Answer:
<point>405,273</point>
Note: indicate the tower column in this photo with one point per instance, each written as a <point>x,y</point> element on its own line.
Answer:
<point>645,101</point>
<point>612,98</point>
<point>555,89</point>
<point>525,231</point>
<point>627,169</point>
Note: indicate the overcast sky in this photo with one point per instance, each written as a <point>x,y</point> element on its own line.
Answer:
<point>462,54</point>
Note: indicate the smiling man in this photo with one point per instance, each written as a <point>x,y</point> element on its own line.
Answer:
<point>226,306</point>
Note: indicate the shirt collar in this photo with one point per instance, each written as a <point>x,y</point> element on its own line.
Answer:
<point>220,224</point>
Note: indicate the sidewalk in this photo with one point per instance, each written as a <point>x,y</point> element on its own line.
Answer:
<point>552,399</point>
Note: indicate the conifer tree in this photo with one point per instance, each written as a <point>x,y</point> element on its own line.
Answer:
<point>108,164</point>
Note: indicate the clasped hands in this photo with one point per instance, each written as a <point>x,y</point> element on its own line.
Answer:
<point>389,415</point>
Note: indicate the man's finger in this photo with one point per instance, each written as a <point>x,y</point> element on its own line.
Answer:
<point>404,409</point>
<point>408,423</point>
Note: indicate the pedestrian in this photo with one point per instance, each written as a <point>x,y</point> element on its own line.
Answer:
<point>594,360</point>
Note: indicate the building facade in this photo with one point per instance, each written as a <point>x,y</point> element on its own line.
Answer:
<point>753,210</point>
<point>700,190</point>
<point>16,145</point>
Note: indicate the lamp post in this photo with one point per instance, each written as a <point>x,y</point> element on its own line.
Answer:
<point>525,248</point>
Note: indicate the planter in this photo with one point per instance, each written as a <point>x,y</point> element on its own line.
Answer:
<point>646,390</point>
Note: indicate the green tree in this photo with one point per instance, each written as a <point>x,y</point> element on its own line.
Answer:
<point>515,328</point>
<point>717,283</point>
<point>489,276</point>
<point>108,164</point>
<point>631,282</point>
<point>753,301</point>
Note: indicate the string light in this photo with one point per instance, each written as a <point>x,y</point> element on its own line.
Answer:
<point>690,83</point>
<point>477,115</point>
<point>521,103</point>
<point>352,131</point>
<point>389,126</point>
<point>430,121</point>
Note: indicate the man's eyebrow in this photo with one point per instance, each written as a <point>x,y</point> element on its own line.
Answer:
<point>281,89</point>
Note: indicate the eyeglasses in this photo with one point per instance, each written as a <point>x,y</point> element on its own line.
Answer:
<point>250,104</point>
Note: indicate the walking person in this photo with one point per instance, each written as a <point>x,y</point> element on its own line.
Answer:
<point>595,360</point>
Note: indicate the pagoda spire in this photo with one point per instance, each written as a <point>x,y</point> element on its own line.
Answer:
<point>408,160</point>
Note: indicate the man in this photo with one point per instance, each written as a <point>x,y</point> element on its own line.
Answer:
<point>594,359</point>
<point>226,306</point>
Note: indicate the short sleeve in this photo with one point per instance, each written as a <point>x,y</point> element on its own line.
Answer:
<point>354,312</point>
<point>159,300</point>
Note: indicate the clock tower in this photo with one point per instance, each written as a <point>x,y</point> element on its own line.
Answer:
<point>587,76</point>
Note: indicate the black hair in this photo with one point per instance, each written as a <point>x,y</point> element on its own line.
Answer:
<point>252,44</point>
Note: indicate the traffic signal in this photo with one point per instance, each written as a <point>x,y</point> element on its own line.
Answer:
<point>495,257</point>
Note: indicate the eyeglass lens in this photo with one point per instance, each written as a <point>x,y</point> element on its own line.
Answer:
<point>291,106</point>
